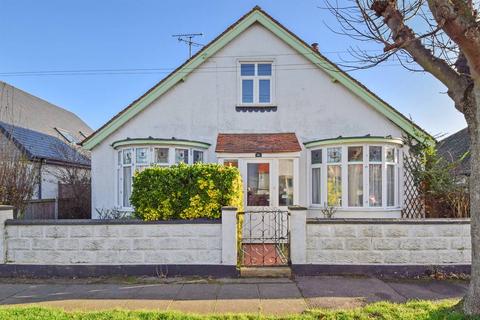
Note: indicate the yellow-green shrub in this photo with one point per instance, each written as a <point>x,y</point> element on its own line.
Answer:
<point>186,191</point>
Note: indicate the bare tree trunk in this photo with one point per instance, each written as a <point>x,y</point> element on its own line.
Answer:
<point>471,304</point>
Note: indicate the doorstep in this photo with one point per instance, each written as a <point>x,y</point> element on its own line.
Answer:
<point>266,272</point>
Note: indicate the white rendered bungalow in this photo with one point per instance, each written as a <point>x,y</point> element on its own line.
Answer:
<point>301,131</point>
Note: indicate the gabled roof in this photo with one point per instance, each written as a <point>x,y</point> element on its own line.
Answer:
<point>24,110</point>
<point>256,15</point>
<point>454,147</point>
<point>257,142</point>
<point>40,146</point>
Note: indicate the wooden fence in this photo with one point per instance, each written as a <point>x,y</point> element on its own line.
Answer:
<point>40,209</point>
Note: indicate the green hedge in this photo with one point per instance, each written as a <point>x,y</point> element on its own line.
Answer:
<point>186,191</point>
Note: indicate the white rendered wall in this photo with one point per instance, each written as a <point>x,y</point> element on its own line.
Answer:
<point>309,104</point>
<point>420,243</point>
<point>100,244</point>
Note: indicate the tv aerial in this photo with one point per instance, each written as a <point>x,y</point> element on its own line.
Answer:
<point>188,39</point>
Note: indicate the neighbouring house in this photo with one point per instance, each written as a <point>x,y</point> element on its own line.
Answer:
<point>454,147</point>
<point>47,135</point>
<point>300,130</point>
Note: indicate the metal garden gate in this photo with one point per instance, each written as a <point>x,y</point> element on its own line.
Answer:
<point>265,239</point>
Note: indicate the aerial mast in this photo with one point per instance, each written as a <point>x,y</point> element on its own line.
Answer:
<point>187,38</point>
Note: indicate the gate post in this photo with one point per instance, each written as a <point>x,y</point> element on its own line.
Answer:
<point>298,234</point>
<point>229,236</point>
<point>6,212</point>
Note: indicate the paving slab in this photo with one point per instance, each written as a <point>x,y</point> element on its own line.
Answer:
<point>369,289</point>
<point>158,291</point>
<point>239,291</point>
<point>335,303</point>
<point>282,307</point>
<point>429,289</point>
<point>9,290</point>
<point>279,291</point>
<point>198,292</point>
<point>238,306</point>
<point>193,306</point>
<point>37,293</point>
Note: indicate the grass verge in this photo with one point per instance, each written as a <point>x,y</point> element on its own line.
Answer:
<point>418,310</point>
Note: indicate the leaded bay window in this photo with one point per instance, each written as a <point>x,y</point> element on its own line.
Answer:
<point>134,159</point>
<point>355,176</point>
<point>334,176</point>
<point>375,176</point>
<point>256,83</point>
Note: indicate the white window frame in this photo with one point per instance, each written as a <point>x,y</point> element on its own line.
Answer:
<point>256,83</point>
<point>150,163</point>
<point>344,163</point>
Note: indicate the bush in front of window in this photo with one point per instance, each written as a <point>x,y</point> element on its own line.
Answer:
<point>186,191</point>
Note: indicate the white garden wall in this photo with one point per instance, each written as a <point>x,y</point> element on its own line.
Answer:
<point>108,247</point>
<point>209,247</point>
<point>396,242</point>
<point>104,243</point>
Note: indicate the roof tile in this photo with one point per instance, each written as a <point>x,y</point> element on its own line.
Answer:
<point>257,142</point>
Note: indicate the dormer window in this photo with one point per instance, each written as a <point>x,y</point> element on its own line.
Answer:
<point>67,135</point>
<point>256,83</point>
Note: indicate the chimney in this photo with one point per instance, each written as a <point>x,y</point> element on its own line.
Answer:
<point>315,46</point>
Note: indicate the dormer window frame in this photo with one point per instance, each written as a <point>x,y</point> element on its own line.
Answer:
<point>256,78</point>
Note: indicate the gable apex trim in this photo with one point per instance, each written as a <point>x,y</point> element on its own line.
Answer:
<point>256,15</point>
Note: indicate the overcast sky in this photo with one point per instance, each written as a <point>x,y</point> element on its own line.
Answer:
<point>63,36</point>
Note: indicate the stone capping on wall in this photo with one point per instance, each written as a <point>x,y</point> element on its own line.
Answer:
<point>386,221</point>
<point>5,208</point>
<point>67,222</point>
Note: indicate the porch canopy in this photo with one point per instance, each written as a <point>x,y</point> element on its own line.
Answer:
<point>257,142</point>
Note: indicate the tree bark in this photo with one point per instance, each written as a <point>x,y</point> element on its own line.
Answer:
<point>471,303</point>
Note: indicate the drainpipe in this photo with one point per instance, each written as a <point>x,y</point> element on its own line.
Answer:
<point>40,180</point>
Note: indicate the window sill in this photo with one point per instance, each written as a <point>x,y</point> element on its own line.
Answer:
<point>256,108</point>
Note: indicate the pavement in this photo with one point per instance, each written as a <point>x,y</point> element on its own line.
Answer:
<point>267,296</point>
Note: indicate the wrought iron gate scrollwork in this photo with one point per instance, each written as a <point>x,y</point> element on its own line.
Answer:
<point>265,237</point>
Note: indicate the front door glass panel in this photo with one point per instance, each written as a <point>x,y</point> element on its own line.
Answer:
<point>258,184</point>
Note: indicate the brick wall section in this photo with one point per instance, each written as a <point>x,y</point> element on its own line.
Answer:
<point>123,244</point>
<point>422,243</point>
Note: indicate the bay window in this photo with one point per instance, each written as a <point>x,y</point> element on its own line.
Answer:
<point>134,159</point>
<point>355,176</point>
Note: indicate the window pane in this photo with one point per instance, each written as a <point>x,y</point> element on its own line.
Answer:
<point>355,185</point>
<point>264,94</point>
<point>247,91</point>
<point>334,185</point>
<point>181,155</point>
<point>375,185</point>
<point>161,155</point>
<point>127,185</point>
<point>316,185</point>
<point>197,156</point>
<point>316,156</point>
<point>127,156</point>
<point>258,184</point>
<point>375,153</point>
<point>141,155</point>
<point>247,69</point>
<point>230,163</point>
<point>285,182</point>
<point>390,154</point>
<point>355,154</point>
<point>390,185</point>
<point>264,69</point>
<point>334,155</point>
